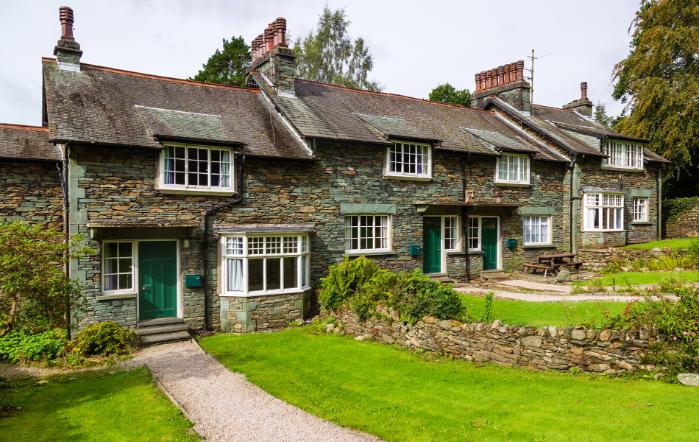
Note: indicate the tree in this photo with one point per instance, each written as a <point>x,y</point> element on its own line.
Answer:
<point>329,55</point>
<point>227,66</point>
<point>446,93</point>
<point>600,115</point>
<point>659,82</point>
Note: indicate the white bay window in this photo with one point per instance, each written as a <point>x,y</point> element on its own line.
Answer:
<point>512,169</point>
<point>603,212</point>
<point>259,265</point>
<point>409,159</point>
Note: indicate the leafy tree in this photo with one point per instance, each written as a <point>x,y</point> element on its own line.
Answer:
<point>35,293</point>
<point>227,66</point>
<point>330,56</point>
<point>600,115</point>
<point>659,82</point>
<point>446,93</point>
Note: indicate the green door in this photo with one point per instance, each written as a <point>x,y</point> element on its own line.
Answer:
<point>157,280</point>
<point>432,245</point>
<point>489,243</point>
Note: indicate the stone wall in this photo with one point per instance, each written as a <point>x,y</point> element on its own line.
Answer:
<point>597,259</point>
<point>546,348</point>
<point>31,192</point>
<point>684,223</point>
<point>260,313</point>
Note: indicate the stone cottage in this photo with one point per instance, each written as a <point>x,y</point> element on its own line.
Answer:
<point>221,207</point>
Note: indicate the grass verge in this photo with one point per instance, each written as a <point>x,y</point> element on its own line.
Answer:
<point>636,278</point>
<point>399,395</point>
<point>672,244</point>
<point>99,406</point>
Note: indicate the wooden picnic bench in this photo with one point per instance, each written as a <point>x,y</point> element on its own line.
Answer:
<point>553,262</point>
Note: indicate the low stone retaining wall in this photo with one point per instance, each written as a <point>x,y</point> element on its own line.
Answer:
<point>682,219</point>
<point>548,348</point>
<point>597,259</point>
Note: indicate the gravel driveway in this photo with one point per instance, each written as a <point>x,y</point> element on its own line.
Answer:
<point>223,406</point>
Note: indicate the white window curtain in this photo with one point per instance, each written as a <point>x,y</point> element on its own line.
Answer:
<point>640,209</point>
<point>624,155</point>
<point>537,230</point>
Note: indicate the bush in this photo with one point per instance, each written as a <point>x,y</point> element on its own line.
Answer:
<point>344,279</point>
<point>487,314</point>
<point>104,339</point>
<point>693,250</point>
<point>21,346</point>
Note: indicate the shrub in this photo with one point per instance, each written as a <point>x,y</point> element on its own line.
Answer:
<point>693,250</point>
<point>104,339</point>
<point>344,279</point>
<point>487,315</point>
<point>615,265</point>
<point>21,346</point>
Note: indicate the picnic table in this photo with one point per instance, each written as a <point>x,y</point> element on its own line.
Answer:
<point>553,263</point>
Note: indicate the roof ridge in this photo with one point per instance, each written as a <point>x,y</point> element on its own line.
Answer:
<point>551,107</point>
<point>26,127</point>
<point>159,77</point>
<point>390,94</point>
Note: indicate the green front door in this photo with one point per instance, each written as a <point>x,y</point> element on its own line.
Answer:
<point>157,279</point>
<point>489,243</point>
<point>432,245</point>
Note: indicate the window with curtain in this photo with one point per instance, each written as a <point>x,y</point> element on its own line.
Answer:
<point>367,233</point>
<point>623,155</point>
<point>603,212</point>
<point>537,230</point>
<point>640,210</point>
<point>474,233</point>
<point>513,169</point>
<point>197,168</point>
<point>409,160</point>
<point>117,266</point>
<point>265,264</point>
<point>451,233</point>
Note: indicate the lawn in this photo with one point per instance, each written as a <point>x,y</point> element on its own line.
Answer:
<point>402,396</point>
<point>672,244</point>
<point>635,278</point>
<point>115,406</point>
<point>539,314</point>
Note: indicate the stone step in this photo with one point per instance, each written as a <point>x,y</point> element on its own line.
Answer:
<point>163,338</point>
<point>493,274</point>
<point>159,321</point>
<point>166,328</point>
<point>444,279</point>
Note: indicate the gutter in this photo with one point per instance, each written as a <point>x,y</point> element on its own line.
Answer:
<point>205,242</point>
<point>62,168</point>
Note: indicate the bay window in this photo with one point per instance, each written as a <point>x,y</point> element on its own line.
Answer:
<point>117,267</point>
<point>367,233</point>
<point>640,210</point>
<point>196,168</point>
<point>623,155</point>
<point>512,169</point>
<point>537,230</point>
<point>603,212</point>
<point>259,265</point>
<point>408,159</point>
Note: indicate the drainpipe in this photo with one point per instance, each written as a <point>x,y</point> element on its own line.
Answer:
<point>205,243</point>
<point>464,218</point>
<point>572,229</point>
<point>62,169</point>
<point>659,216</point>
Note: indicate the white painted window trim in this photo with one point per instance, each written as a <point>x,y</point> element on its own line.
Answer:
<point>585,227</point>
<point>196,188</point>
<point>134,261</point>
<point>549,229</point>
<point>303,249</point>
<point>640,206</point>
<point>478,217</point>
<point>624,148</point>
<point>360,251</point>
<point>427,155</point>
<point>527,162</point>
<point>457,231</point>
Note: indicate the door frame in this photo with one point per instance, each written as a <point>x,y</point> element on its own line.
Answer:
<point>498,235</point>
<point>443,250</point>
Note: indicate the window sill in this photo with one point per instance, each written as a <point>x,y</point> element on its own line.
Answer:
<point>539,246</point>
<point>170,191</point>
<point>254,295</point>
<point>407,178</point>
<point>506,184</point>
<point>475,252</point>
<point>623,169</point>
<point>369,253</point>
<point>116,296</point>
<point>455,252</point>
<point>642,223</point>
<point>604,231</point>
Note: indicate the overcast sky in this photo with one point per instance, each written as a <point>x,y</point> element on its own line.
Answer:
<point>416,44</point>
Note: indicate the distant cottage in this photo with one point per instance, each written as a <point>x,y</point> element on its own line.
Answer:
<point>222,206</point>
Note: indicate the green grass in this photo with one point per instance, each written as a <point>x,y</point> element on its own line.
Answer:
<point>540,314</point>
<point>99,406</point>
<point>401,396</point>
<point>672,244</point>
<point>635,278</point>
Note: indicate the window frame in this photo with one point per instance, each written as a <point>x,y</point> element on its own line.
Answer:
<point>361,251</point>
<point>303,250</point>
<point>549,230</point>
<point>479,233</point>
<point>189,188</point>
<point>620,156</point>
<point>457,239</point>
<point>645,206</point>
<point>522,159</point>
<point>103,268</point>
<point>602,207</point>
<point>427,165</point>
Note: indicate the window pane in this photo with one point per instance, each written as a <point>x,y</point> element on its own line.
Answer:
<point>110,266</point>
<point>273,273</point>
<point>304,270</point>
<point>255,274</point>
<point>234,271</point>
<point>110,282</point>
<point>124,281</point>
<point>291,275</point>
<point>125,265</point>
<point>234,246</point>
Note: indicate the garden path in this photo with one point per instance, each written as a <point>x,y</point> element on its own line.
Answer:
<point>547,297</point>
<point>224,406</point>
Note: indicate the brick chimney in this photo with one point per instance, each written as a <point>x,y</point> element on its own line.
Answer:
<point>582,105</point>
<point>272,58</point>
<point>505,82</point>
<point>67,50</point>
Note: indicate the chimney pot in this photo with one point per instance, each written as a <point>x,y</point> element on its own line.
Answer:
<point>583,90</point>
<point>65,14</point>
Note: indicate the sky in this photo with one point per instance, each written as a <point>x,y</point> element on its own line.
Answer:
<point>416,45</point>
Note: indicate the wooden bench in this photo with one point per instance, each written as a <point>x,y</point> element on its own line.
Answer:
<point>533,267</point>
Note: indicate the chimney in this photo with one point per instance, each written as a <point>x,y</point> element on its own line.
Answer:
<point>582,105</point>
<point>67,50</point>
<point>273,59</point>
<point>505,82</point>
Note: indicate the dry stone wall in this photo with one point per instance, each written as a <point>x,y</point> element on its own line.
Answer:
<point>597,259</point>
<point>546,348</point>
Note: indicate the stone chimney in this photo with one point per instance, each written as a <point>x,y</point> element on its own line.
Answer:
<point>505,82</point>
<point>582,105</point>
<point>67,50</point>
<point>273,59</point>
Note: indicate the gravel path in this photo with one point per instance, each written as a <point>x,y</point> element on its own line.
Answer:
<point>545,297</point>
<point>223,406</point>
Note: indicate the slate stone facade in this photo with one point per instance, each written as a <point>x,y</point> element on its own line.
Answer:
<point>31,191</point>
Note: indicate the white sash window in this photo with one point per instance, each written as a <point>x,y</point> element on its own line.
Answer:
<point>640,210</point>
<point>603,212</point>
<point>512,169</point>
<point>407,159</point>
<point>196,168</point>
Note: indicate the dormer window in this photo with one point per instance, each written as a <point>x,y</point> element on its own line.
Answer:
<point>196,168</point>
<point>623,155</point>
<point>512,169</point>
<point>409,160</point>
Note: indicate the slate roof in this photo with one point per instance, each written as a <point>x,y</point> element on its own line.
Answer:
<point>20,142</point>
<point>100,105</point>
<point>332,112</point>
